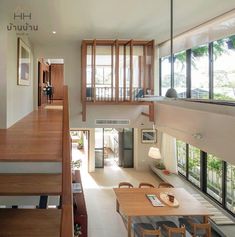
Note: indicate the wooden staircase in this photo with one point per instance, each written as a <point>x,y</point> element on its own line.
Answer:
<point>35,165</point>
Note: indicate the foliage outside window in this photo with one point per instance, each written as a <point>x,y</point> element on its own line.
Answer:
<point>180,74</point>
<point>165,75</point>
<point>194,165</point>
<point>200,73</point>
<point>224,69</point>
<point>214,177</point>
<point>181,157</point>
<point>230,187</point>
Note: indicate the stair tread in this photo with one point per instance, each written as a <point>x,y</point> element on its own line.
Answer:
<point>30,184</point>
<point>30,222</point>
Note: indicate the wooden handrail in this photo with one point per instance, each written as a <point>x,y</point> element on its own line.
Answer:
<point>67,199</point>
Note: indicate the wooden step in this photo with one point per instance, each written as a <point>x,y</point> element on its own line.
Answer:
<point>30,184</point>
<point>36,137</point>
<point>30,222</point>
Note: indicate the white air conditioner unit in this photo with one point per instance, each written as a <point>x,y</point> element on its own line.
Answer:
<point>112,122</point>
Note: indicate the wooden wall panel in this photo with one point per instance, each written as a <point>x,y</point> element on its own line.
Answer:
<point>57,80</point>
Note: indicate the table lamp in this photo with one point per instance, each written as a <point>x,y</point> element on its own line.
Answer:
<point>154,153</point>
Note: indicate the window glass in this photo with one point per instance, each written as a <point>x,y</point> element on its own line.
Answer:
<point>224,72</point>
<point>200,73</point>
<point>180,73</point>
<point>194,165</point>
<point>165,75</point>
<point>181,157</point>
<point>230,195</point>
<point>214,177</point>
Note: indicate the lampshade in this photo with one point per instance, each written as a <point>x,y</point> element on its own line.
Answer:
<point>171,93</point>
<point>154,153</point>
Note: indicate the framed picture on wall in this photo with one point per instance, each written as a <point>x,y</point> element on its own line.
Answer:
<point>148,136</point>
<point>23,63</point>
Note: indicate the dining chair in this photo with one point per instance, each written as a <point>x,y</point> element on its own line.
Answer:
<point>145,185</point>
<point>123,185</point>
<point>195,227</point>
<point>170,229</point>
<point>145,230</point>
<point>165,185</point>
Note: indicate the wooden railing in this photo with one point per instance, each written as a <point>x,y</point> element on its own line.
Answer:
<point>106,93</point>
<point>67,199</point>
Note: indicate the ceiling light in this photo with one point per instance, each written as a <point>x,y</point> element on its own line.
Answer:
<point>53,32</point>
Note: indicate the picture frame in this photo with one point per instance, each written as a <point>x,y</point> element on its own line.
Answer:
<point>148,136</point>
<point>23,63</point>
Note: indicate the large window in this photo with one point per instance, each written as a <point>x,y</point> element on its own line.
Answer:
<point>180,74</point>
<point>181,157</point>
<point>200,73</point>
<point>224,73</point>
<point>208,70</point>
<point>194,165</point>
<point>214,177</point>
<point>230,195</point>
<point>165,75</point>
<point>210,174</point>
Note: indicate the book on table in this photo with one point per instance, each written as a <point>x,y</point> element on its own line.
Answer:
<point>154,200</point>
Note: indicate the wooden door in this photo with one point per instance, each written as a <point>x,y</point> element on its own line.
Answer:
<point>57,80</point>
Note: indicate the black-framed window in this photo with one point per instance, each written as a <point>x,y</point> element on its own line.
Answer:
<point>210,174</point>
<point>223,73</point>
<point>230,188</point>
<point>194,158</point>
<point>181,157</point>
<point>209,71</point>
<point>214,177</point>
<point>180,73</point>
<point>200,72</point>
<point>165,75</point>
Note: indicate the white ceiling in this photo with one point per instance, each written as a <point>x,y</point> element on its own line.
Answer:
<point>75,20</point>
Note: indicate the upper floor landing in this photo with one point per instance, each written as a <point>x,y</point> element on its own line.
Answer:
<point>36,137</point>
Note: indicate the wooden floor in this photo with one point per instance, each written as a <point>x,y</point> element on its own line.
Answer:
<point>37,137</point>
<point>30,223</point>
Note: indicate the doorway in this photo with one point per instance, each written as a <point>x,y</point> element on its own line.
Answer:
<point>50,80</point>
<point>114,147</point>
<point>80,149</point>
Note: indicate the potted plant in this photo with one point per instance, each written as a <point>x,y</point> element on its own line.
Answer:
<point>77,230</point>
<point>80,143</point>
<point>75,165</point>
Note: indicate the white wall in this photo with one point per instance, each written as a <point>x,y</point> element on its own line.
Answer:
<point>19,98</point>
<point>141,158</point>
<point>3,79</point>
<point>15,101</point>
<point>215,123</point>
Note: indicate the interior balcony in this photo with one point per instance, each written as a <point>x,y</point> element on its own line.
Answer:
<point>117,72</point>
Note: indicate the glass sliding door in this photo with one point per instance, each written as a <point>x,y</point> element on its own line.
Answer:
<point>230,187</point>
<point>99,148</point>
<point>181,157</point>
<point>194,165</point>
<point>214,177</point>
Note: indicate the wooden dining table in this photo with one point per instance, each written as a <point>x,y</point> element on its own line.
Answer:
<point>134,203</point>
